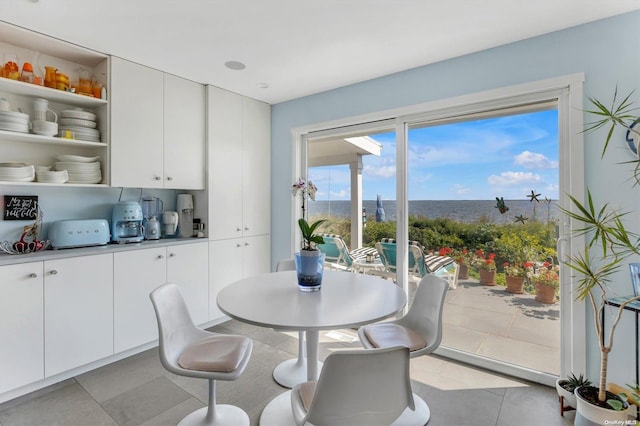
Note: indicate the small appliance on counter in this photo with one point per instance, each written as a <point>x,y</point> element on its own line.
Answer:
<point>126,222</point>
<point>169,223</point>
<point>151,209</point>
<point>184,205</point>
<point>79,233</point>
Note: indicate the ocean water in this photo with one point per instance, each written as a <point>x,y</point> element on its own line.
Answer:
<point>466,211</point>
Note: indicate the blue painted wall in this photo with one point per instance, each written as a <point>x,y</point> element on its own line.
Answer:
<point>607,51</point>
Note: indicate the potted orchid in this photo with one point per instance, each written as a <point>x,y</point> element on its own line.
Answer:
<point>309,260</point>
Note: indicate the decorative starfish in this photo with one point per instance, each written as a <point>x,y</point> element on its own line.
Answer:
<point>521,219</point>
<point>533,196</point>
<point>501,206</point>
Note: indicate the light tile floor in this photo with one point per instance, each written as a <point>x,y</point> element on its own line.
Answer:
<point>138,391</point>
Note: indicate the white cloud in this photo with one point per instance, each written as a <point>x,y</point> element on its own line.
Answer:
<point>382,171</point>
<point>342,194</point>
<point>460,189</point>
<point>513,178</point>
<point>532,160</point>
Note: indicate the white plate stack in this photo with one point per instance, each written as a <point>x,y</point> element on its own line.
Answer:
<point>80,169</point>
<point>14,121</point>
<point>82,125</point>
<point>52,176</point>
<point>17,172</point>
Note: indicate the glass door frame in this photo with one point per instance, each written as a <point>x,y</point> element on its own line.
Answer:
<point>567,91</point>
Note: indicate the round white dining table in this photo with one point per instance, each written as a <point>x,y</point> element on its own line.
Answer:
<point>345,300</point>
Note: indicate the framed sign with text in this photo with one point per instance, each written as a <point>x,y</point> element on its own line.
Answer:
<point>20,207</point>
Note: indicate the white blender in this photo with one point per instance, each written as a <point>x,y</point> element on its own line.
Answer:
<point>184,205</point>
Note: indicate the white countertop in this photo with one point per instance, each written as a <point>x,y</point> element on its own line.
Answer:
<point>50,254</point>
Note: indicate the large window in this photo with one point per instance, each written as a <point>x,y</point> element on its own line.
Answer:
<point>519,146</point>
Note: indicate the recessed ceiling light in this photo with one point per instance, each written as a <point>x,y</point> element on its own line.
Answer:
<point>235,65</point>
<point>262,85</point>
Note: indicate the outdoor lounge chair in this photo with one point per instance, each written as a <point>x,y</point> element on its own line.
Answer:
<point>336,252</point>
<point>419,263</point>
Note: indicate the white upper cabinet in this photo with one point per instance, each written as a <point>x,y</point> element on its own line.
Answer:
<point>184,129</point>
<point>136,125</point>
<point>157,123</point>
<point>239,165</point>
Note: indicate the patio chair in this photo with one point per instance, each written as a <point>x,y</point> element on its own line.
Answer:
<point>419,264</point>
<point>336,253</point>
<point>441,266</point>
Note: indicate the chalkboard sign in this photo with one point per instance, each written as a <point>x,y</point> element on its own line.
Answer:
<point>20,207</point>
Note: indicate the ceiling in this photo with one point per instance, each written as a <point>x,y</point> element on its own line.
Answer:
<point>294,48</point>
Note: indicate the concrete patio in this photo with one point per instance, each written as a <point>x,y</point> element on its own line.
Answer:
<point>513,328</point>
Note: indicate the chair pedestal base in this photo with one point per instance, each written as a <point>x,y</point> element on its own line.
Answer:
<point>227,415</point>
<point>278,412</point>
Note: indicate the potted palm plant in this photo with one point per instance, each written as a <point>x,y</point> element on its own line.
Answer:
<point>608,246</point>
<point>309,260</point>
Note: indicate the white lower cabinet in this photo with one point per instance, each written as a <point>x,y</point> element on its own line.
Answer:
<point>139,272</point>
<point>21,325</point>
<point>233,259</point>
<point>187,266</point>
<point>78,311</point>
<point>136,274</point>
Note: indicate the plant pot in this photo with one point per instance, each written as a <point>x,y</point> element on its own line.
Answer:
<point>463,271</point>
<point>590,414</point>
<point>567,399</point>
<point>309,268</point>
<point>515,284</point>
<point>545,293</point>
<point>487,277</point>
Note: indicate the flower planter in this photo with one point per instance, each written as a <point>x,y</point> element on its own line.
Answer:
<point>589,414</point>
<point>515,284</point>
<point>545,293</point>
<point>463,271</point>
<point>309,268</point>
<point>487,277</point>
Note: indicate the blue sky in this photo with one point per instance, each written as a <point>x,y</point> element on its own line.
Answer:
<point>474,160</point>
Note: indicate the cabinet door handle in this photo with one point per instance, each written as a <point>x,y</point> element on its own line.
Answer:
<point>169,178</point>
<point>172,255</point>
<point>238,245</point>
<point>160,256</point>
<point>238,229</point>
<point>33,275</point>
<point>246,228</point>
<point>246,244</point>
<point>53,272</point>
<point>157,178</point>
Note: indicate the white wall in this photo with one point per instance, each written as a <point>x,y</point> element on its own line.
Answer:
<point>607,51</point>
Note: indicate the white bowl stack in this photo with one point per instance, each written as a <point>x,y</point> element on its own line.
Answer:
<point>82,124</point>
<point>17,172</point>
<point>14,121</point>
<point>80,169</point>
